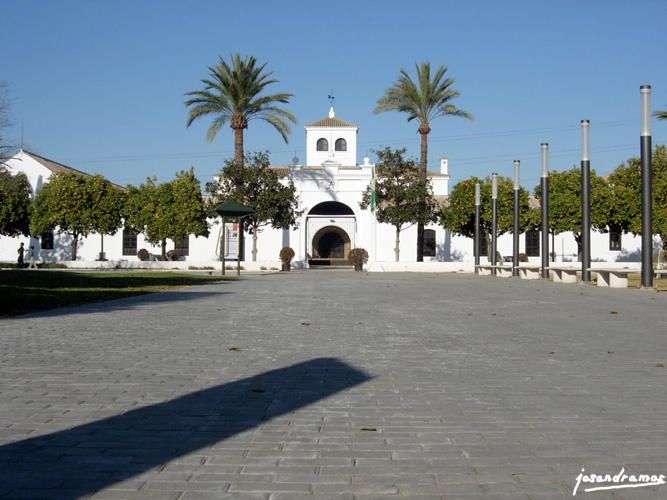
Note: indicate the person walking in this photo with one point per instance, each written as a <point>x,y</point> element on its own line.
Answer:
<point>20,259</point>
<point>31,255</point>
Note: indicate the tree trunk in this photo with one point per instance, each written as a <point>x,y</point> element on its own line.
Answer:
<point>238,146</point>
<point>75,242</point>
<point>254,245</point>
<point>423,160</point>
<point>397,248</point>
<point>164,249</point>
<point>577,238</point>
<point>489,244</point>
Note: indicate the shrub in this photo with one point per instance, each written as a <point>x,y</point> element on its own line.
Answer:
<point>357,256</point>
<point>286,255</point>
<point>143,255</point>
<point>523,257</point>
<point>173,254</point>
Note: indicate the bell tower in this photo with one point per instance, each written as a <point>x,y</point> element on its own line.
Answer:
<point>331,140</point>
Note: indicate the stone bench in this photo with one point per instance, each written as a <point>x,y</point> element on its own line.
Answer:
<point>659,273</point>
<point>565,274</point>
<point>614,278</point>
<point>502,271</point>
<point>529,271</point>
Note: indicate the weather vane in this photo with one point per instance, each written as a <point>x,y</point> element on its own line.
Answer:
<point>331,98</point>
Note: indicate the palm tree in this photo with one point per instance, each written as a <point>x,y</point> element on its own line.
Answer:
<point>232,95</point>
<point>424,100</point>
<point>661,115</point>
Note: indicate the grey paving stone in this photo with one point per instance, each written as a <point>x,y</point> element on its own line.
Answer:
<point>342,385</point>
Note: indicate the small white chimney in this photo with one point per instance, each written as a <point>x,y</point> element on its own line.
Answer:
<point>443,165</point>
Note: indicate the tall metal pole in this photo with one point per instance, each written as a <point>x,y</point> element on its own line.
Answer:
<point>515,253</point>
<point>494,221</point>
<point>224,242</point>
<point>647,188</point>
<point>477,222</point>
<point>585,201</point>
<point>545,210</point>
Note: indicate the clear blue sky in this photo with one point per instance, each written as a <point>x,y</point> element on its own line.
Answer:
<point>98,85</point>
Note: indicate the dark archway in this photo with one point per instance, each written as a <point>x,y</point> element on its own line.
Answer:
<point>331,245</point>
<point>331,208</point>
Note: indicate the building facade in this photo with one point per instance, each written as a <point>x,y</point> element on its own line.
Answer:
<point>329,185</point>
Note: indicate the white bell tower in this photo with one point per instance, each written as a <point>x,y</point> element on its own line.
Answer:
<point>331,140</point>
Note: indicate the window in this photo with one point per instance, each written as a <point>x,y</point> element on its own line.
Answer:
<point>483,246</point>
<point>47,240</point>
<point>532,243</point>
<point>429,243</point>
<point>614,240</point>
<point>322,145</point>
<point>129,242</point>
<point>183,246</point>
<point>341,145</point>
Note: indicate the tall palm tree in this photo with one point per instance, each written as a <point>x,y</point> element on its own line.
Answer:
<point>424,100</point>
<point>661,115</point>
<point>231,94</point>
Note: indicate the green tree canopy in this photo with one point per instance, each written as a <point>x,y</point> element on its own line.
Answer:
<point>171,210</point>
<point>77,205</point>
<point>565,203</point>
<point>232,94</point>
<point>403,195</point>
<point>14,204</point>
<point>625,183</point>
<point>459,215</point>
<point>259,187</point>
<point>424,100</point>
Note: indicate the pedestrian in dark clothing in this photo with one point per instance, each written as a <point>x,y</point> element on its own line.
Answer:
<point>20,259</point>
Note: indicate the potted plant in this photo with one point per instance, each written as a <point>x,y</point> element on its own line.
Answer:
<point>286,256</point>
<point>143,255</point>
<point>357,257</point>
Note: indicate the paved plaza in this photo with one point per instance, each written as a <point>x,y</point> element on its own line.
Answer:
<point>330,384</point>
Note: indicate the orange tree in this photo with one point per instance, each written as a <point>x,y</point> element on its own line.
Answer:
<point>14,204</point>
<point>77,205</point>
<point>565,203</point>
<point>171,210</point>
<point>459,215</point>
<point>625,183</point>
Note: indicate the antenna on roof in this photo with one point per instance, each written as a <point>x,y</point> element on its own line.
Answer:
<point>331,98</point>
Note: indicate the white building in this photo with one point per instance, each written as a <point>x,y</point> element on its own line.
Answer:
<point>330,186</point>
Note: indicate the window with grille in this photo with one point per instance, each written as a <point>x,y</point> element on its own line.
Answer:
<point>532,243</point>
<point>129,242</point>
<point>47,240</point>
<point>183,246</point>
<point>429,243</point>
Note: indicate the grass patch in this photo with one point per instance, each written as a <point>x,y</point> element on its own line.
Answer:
<point>25,291</point>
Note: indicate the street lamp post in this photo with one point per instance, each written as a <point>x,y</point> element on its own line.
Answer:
<point>545,210</point>
<point>517,186</point>
<point>585,201</point>
<point>647,188</point>
<point>477,222</point>
<point>494,221</point>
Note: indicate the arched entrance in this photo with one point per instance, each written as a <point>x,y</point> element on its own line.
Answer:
<point>331,228</point>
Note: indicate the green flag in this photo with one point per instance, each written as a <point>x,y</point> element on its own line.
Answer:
<point>373,189</point>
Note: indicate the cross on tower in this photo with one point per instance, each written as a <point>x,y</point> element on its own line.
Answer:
<point>331,98</point>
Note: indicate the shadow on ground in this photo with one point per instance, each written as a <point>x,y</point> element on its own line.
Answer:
<point>84,459</point>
